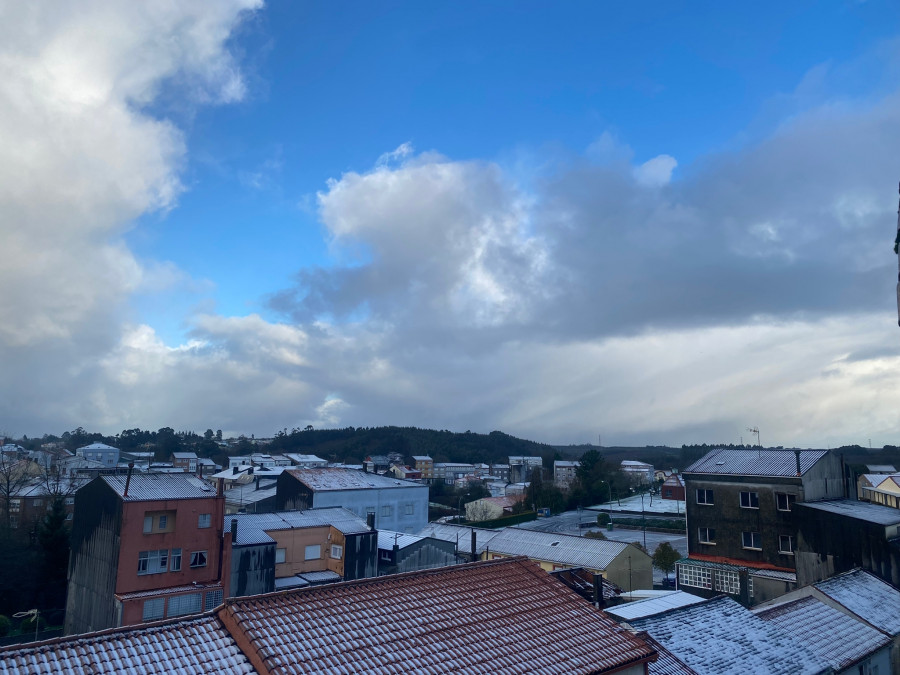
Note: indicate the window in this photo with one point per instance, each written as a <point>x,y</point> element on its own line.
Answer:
<point>176,560</point>
<point>198,559</point>
<point>705,497</point>
<point>13,521</point>
<point>213,599</point>
<point>410,509</point>
<point>783,502</point>
<point>163,522</point>
<point>313,552</point>
<point>786,544</point>
<point>70,516</point>
<point>148,524</point>
<point>153,562</point>
<point>204,520</point>
<point>706,535</point>
<point>749,500</point>
<point>279,555</point>
<point>386,510</point>
<point>337,551</point>
<point>752,540</point>
<point>698,577</point>
<point>727,582</point>
<point>385,555</point>
<point>15,505</point>
<point>154,609</point>
<point>70,501</point>
<point>184,604</point>
<point>37,502</point>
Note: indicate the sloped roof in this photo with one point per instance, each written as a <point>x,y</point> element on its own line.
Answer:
<point>252,527</point>
<point>158,486</point>
<point>650,606</point>
<point>338,478</point>
<point>720,637</point>
<point>831,634</point>
<point>196,645</point>
<point>461,534</point>
<point>782,463</point>
<point>184,455</point>
<point>97,446</point>
<point>498,617</point>
<point>666,662</point>
<point>871,513</point>
<point>387,539</point>
<point>565,549</point>
<point>867,596</point>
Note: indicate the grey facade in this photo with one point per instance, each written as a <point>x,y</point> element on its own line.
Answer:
<point>407,553</point>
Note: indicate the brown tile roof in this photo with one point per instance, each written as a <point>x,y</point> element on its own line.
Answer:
<point>196,645</point>
<point>499,617</point>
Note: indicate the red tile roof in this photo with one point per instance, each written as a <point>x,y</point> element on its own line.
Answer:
<point>737,562</point>
<point>500,617</point>
<point>196,645</point>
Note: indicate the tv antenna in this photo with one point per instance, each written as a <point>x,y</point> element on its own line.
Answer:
<point>755,430</point>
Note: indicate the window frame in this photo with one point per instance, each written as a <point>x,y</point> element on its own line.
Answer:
<point>153,609</point>
<point>308,549</point>
<point>707,495</point>
<point>337,548</point>
<point>710,539</point>
<point>751,501</point>
<point>200,521</point>
<point>175,560</point>
<point>788,500</point>
<point>792,543</point>
<point>755,538</point>
<point>280,555</point>
<point>196,557</point>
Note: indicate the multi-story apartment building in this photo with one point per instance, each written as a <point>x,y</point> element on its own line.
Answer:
<point>425,464</point>
<point>186,461</point>
<point>740,530</point>
<point>564,473</point>
<point>144,547</point>
<point>520,468</point>
<point>100,452</point>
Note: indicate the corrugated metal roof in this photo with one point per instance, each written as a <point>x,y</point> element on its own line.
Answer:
<point>252,527</point>
<point>387,539</point>
<point>196,645</point>
<point>460,534</point>
<point>335,478</point>
<point>159,486</point>
<point>833,635</point>
<point>643,608</point>
<point>782,463</point>
<point>490,617</point>
<point>562,549</point>
<point>871,513</point>
<point>720,636</point>
<point>867,596</point>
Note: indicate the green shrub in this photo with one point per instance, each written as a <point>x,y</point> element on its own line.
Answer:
<point>5,625</point>
<point>603,519</point>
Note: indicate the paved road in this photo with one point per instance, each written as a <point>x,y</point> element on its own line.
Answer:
<point>568,523</point>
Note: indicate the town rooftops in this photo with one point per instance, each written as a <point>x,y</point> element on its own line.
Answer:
<point>387,539</point>
<point>196,645</point>
<point>837,637</point>
<point>159,486</point>
<point>529,459</point>
<point>252,527</point>
<point>421,458</point>
<point>773,463</point>
<point>867,596</point>
<point>871,513</point>
<point>666,662</point>
<point>498,617</point>
<point>565,549</point>
<point>565,463</point>
<point>184,455</point>
<point>334,478</point>
<point>881,468</point>
<point>720,636</point>
<point>655,605</point>
<point>460,535</point>
<point>97,446</point>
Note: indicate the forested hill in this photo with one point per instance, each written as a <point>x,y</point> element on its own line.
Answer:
<point>353,444</point>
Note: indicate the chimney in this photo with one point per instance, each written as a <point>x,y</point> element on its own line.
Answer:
<point>598,591</point>
<point>220,487</point>
<point>257,483</point>
<point>128,478</point>
<point>370,521</point>
<point>234,530</point>
<point>797,455</point>
<point>474,545</point>
<point>200,466</point>
<point>744,577</point>
<point>234,471</point>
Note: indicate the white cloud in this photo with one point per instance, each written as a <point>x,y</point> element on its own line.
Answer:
<point>656,172</point>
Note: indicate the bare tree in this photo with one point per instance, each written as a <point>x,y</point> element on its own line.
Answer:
<point>15,474</point>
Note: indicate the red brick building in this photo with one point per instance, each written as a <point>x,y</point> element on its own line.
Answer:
<point>144,547</point>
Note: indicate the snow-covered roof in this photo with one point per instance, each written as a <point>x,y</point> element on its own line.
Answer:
<point>565,463</point>
<point>666,662</point>
<point>156,486</point>
<point>304,459</point>
<point>721,636</point>
<point>759,462</point>
<point>184,455</point>
<point>867,596</point>
<point>881,468</point>
<point>460,534</point>
<point>421,458</point>
<point>97,446</point>
<point>662,603</point>
<point>252,527</point>
<point>501,617</point>
<point>871,513</point>
<point>387,539</point>
<point>332,478</point>
<point>200,644</point>
<point>563,549</point>
<point>833,635</point>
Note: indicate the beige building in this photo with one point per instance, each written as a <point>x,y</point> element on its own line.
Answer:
<point>489,508</point>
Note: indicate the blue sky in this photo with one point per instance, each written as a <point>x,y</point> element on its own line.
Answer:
<point>658,222</point>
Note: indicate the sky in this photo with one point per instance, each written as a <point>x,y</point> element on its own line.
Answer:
<point>627,223</point>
